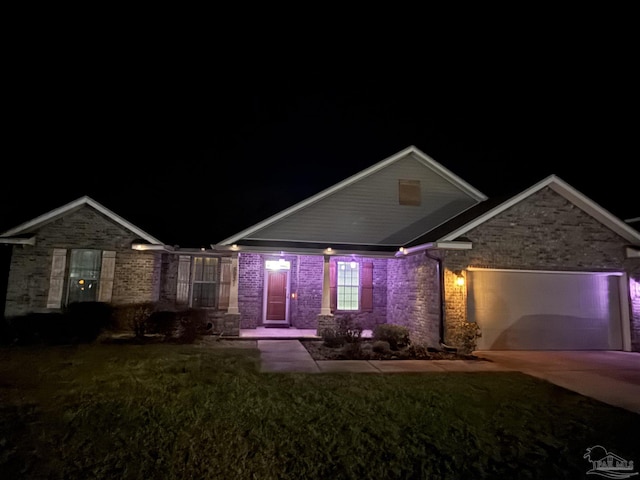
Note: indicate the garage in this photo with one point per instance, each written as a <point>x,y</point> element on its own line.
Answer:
<point>534,310</point>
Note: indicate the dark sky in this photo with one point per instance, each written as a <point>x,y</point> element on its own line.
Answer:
<point>194,145</point>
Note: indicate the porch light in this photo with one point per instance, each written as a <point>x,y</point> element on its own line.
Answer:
<point>460,280</point>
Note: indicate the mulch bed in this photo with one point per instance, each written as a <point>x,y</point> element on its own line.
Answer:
<point>319,351</point>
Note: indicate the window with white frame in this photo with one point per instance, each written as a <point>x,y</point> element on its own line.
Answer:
<point>348,285</point>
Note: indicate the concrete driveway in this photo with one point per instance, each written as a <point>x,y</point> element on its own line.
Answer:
<point>611,377</point>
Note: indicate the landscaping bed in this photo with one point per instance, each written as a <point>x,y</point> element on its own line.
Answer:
<point>365,350</point>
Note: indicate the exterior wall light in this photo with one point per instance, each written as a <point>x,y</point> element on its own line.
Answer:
<point>460,281</point>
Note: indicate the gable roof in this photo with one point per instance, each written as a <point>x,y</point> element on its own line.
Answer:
<point>352,201</point>
<point>474,217</point>
<point>29,227</point>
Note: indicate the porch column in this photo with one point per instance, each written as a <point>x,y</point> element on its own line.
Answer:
<point>326,287</point>
<point>233,289</point>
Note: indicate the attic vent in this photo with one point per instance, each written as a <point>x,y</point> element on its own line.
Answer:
<point>409,192</point>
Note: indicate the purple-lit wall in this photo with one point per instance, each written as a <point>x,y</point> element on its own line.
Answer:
<point>306,276</point>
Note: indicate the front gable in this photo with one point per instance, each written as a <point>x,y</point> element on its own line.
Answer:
<point>26,233</point>
<point>568,193</point>
<point>388,204</point>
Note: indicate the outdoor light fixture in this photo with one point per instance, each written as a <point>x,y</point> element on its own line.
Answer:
<point>459,278</point>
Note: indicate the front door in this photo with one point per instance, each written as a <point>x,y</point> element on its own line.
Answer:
<point>276,298</point>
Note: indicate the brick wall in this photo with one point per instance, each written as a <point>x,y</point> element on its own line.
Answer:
<point>306,276</point>
<point>308,302</point>
<point>413,297</point>
<point>136,273</point>
<point>542,232</point>
<point>250,289</point>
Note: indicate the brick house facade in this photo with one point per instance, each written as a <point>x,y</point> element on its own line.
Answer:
<point>548,228</point>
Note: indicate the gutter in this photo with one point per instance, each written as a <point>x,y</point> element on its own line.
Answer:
<point>443,345</point>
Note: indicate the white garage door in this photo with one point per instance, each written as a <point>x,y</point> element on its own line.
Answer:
<point>523,310</point>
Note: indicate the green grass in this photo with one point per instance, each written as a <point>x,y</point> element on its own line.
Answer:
<point>195,412</point>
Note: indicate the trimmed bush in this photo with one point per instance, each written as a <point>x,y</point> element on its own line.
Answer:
<point>134,316</point>
<point>80,322</point>
<point>346,331</point>
<point>84,321</point>
<point>396,335</point>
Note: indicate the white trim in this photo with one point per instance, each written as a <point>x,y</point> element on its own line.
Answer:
<point>631,252</point>
<point>411,150</point>
<point>266,296</point>
<point>85,200</point>
<point>625,317</point>
<point>517,270</point>
<point>434,246</point>
<point>18,240</point>
<point>568,192</point>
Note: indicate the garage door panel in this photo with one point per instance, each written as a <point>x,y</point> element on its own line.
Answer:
<point>551,311</point>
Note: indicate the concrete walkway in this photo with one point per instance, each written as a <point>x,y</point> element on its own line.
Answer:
<point>611,377</point>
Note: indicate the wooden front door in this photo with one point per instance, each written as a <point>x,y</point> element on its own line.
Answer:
<point>276,304</point>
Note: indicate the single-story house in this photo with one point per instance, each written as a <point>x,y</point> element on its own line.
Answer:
<point>405,241</point>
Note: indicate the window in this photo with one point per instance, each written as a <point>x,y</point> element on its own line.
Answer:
<point>351,286</point>
<point>348,285</point>
<point>84,275</point>
<point>203,282</point>
<point>89,279</point>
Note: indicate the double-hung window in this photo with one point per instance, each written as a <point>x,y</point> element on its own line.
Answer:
<point>351,286</point>
<point>203,282</point>
<point>348,285</point>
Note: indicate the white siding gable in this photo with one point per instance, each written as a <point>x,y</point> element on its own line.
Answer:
<point>366,210</point>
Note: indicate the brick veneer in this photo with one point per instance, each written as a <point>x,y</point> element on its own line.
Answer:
<point>413,297</point>
<point>542,232</point>
<point>136,273</point>
<point>306,274</point>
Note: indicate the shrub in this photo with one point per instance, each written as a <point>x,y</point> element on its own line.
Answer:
<point>134,316</point>
<point>381,346</point>
<point>396,335</point>
<point>84,321</point>
<point>163,322</point>
<point>191,324</point>
<point>36,328</point>
<point>346,331</point>
<point>78,323</point>
<point>331,339</point>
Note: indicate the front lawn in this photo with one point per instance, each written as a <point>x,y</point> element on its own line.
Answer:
<point>205,412</point>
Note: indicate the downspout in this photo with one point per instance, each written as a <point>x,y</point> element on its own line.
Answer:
<point>441,322</point>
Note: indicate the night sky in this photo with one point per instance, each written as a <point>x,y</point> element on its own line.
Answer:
<point>193,147</point>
